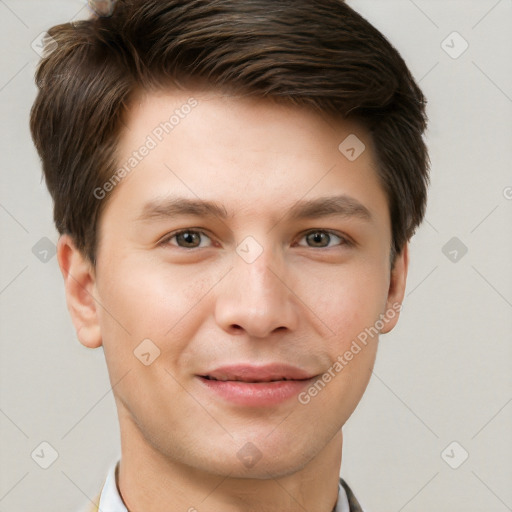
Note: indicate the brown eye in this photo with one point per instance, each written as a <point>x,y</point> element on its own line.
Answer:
<point>188,239</point>
<point>318,239</point>
<point>323,239</point>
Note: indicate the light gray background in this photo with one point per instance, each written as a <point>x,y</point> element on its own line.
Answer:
<point>443,375</point>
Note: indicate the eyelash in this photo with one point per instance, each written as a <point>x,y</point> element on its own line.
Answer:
<point>344,240</point>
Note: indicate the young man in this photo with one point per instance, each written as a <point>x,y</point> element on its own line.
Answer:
<point>235,183</point>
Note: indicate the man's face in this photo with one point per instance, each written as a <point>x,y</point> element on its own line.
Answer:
<point>266,288</point>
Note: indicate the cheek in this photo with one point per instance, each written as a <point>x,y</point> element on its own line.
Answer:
<point>349,306</point>
<point>152,296</point>
<point>150,300</point>
<point>345,300</point>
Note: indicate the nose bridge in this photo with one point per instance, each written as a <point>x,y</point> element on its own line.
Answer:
<point>254,298</point>
<point>260,277</point>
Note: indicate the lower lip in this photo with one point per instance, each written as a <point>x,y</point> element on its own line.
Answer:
<point>256,394</point>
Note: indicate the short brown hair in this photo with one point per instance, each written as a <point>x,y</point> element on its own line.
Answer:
<point>320,54</point>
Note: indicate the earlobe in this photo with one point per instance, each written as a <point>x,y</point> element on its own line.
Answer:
<point>396,289</point>
<point>79,283</point>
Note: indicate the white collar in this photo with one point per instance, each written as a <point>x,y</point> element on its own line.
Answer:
<point>111,501</point>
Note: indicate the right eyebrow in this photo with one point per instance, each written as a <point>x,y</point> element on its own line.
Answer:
<point>174,206</point>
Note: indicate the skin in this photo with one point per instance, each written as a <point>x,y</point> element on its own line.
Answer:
<point>302,301</point>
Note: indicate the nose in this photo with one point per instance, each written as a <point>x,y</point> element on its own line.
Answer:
<point>255,298</point>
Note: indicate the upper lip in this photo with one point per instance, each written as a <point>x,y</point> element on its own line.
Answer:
<point>253,373</point>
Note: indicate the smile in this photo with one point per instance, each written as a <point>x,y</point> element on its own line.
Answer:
<point>255,386</point>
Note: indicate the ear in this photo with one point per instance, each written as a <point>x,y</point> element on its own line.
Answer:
<point>396,291</point>
<point>80,283</point>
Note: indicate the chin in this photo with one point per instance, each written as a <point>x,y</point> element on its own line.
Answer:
<point>262,461</point>
<point>262,470</point>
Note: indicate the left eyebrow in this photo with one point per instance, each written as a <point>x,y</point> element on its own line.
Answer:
<point>341,206</point>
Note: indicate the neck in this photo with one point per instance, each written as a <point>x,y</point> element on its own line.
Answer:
<point>148,480</point>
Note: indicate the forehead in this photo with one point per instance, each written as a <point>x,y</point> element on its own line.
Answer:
<point>228,116</point>
<point>246,154</point>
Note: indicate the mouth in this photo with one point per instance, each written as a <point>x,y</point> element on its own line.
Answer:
<point>253,381</point>
<point>256,386</point>
<point>255,374</point>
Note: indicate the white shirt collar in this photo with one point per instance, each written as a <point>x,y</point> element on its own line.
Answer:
<point>342,504</point>
<point>111,501</point>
